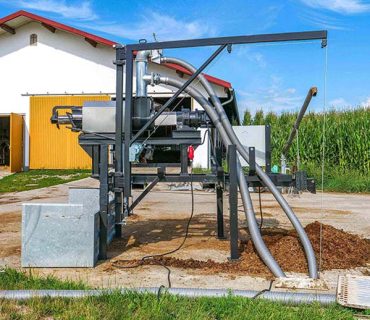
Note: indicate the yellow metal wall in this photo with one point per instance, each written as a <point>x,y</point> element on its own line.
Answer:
<point>50,147</point>
<point>16,142</point>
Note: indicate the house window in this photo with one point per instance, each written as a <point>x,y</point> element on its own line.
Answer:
<point>33,39</point>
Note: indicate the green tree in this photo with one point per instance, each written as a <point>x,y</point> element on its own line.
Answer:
<point>258,118</point>
<point>247,119</point>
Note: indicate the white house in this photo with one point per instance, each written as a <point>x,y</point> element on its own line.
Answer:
<point>42,60</point>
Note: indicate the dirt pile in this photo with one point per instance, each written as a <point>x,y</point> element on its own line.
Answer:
<point>340,250</point>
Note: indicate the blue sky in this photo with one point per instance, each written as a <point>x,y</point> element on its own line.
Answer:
<point>273,77</point>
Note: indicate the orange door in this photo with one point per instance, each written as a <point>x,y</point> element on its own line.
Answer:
<point>16,142</point>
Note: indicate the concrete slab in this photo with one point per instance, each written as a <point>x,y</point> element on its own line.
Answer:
<point>57,235</point>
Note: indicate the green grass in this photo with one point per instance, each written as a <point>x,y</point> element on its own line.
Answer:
<point>132,305</point>
<point>11,279</point>
<point>35,179</point>
<point>336,180</point>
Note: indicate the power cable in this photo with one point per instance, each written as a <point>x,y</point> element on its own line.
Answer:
<point>160,263</point>
<point>264,290</point>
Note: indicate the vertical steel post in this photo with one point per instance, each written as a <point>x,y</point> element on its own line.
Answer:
<point>120,59</point>
<point>220,194</point>
<point>103,201</point>
<point>95,160</point>
<point>128,131</point>
<point>268,148</point>
<point>233,202</point>
<point>184,160</point>
<point>252,161</point>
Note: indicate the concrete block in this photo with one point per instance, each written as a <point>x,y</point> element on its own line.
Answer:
<point>57,235</point>
<point>89,198</point>
<point>64,235</point>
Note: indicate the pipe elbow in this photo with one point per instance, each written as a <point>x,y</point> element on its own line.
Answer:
<point>143,55</point>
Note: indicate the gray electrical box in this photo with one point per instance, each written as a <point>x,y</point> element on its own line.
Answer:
<point>99,116</point>
<point>253,136</point>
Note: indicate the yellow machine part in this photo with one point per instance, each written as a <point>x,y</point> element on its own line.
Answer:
<point>53,148</point>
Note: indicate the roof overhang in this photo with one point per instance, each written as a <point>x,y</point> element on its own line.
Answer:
<point>10,23</point>
<point>17,19</point>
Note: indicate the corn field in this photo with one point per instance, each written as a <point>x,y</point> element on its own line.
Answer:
<point>347,138</point>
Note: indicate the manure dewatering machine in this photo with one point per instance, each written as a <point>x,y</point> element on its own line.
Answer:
<point>130,130</point>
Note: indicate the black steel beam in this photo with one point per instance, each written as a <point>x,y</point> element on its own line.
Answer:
<point>278,179</point>
<point>128,130</point>
<point>260,38</point>
<point>252,161</point>
<point>156,165</point>
<point>144,193</point>
<point>220,212</point>
<point>220,193</point>
<point>233,202</point>
<point>119,109</point>
<point>268,148</point>
<point>178,92</point>
<point>92,139</point>
<point>184,160</point>
<point>104,202</point>
<point>120,55</point>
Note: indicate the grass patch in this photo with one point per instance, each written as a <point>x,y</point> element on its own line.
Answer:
<point>11,279</point>
<point>337,180</point>
<point>35,179</point>
<point>132,305</point>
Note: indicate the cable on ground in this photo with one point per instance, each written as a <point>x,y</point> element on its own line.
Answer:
<point>148,257</point>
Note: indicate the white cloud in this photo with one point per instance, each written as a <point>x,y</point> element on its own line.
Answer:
<point>339,6</point>
<point>165,27</point>
<point>273,98</point>
<point>338,103</point>
<point>323,20</point>
<point>78,10</point>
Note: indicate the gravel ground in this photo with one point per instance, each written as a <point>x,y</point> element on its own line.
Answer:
<point>158,226</point>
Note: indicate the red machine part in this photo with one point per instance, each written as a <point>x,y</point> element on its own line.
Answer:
<point>191,153</point>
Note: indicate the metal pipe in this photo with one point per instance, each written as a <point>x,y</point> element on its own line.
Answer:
<point>231,99</point>
<point>311,93</point>
<point>141,62</point>
<point>310,254</point>
<point>253,228</point>
<point>177,93</point>
<point>293,298</point>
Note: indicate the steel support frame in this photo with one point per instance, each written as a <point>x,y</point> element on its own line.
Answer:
<point>125,55</point>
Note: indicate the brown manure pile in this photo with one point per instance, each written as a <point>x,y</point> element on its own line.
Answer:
<point>340,250</point>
